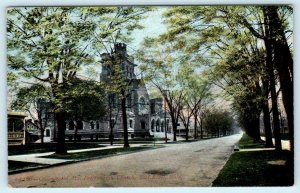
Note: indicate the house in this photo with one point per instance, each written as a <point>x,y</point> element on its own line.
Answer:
<point>16,133</point>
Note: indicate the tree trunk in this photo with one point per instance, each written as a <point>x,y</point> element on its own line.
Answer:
<point>174,134</point>
<point>124,115</point>
<point>275,113</point>
<point>187,131</point>
<point>251,124</point>
<point>111,137</point>
<point>267,124</point>
<point>266,85</point>
<point>283,63</point>
<point>201,128</point>
<point>174,125</point>
<point>76,126</point>
<point>42,136</point>
<point>61,126</point>
<point>195,127</point>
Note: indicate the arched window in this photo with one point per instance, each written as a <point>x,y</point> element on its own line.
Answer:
<point>97,125</point>
<point>157,125</point>
<point>168,128</point>
<point>143,125</point>
<point>79,125</point>
<point>92,125</point>
<point>162,126</point>
<point>71,125</point>
<point>142,103</point>
<point>129,100</point>
<point>47,132</point>
<point>152,125</point>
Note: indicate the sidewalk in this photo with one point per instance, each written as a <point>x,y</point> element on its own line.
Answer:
<point>37,157</point>
<point>285,143</point>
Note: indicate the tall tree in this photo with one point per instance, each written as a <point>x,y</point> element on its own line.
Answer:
<point>160,68</point>
<point>86,103</point>
<point>48,55</point>
<point>54,55</point>
<point>197,90</point>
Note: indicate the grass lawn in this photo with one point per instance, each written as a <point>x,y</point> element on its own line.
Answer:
<point>17,165</point>
<point>257,168</point>
<point>247,142</point>
<point>47,147</point>
<point>97,153</point>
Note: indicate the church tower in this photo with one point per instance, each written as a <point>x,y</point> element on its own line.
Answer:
<point>119,57</point>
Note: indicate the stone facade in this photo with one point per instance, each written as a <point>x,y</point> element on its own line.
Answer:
<point>139,106</point>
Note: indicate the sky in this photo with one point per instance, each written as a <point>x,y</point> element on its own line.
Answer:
<point>153,26</point>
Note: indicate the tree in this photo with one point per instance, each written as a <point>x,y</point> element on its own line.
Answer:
<point>159,67</point>
<point>52,56</point>
<point>197,90</point>
<point>86,103</point>
<point>279,46</point>
<point>213,29</point>
<point>122,23</point>
<point>276,43</point>
<point>218,121</point>
<point>48,56</point>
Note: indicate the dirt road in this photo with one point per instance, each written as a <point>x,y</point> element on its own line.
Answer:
<point>190,164</point>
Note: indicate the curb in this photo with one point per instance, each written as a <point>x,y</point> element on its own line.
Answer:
<point>39,167</point>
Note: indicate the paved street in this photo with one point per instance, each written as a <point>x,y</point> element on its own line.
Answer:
<point>186,164</point>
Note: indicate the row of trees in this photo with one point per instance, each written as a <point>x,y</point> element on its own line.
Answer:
<point>249,49</point>
<point>172,73</point>
<point>219,123</point>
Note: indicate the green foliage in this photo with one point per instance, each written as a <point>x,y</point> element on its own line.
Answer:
<point>217,121</point>
<point>87,100</point>
<point>27,97</point>
<point>51,44</point>
<point>227,39</point>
